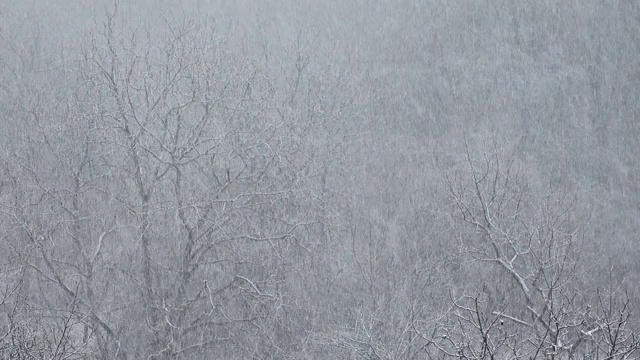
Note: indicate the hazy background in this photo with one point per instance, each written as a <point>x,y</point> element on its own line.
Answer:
<point>319,179</point>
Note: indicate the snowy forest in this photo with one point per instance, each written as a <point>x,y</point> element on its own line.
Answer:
<point>306,179</point>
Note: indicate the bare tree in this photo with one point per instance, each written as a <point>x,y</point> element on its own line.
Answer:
<point>536,246</point>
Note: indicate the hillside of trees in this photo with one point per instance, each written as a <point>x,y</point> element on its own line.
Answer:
<point>300,179</point>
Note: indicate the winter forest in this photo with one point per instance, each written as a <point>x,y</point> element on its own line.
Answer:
<point>305,179</point>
